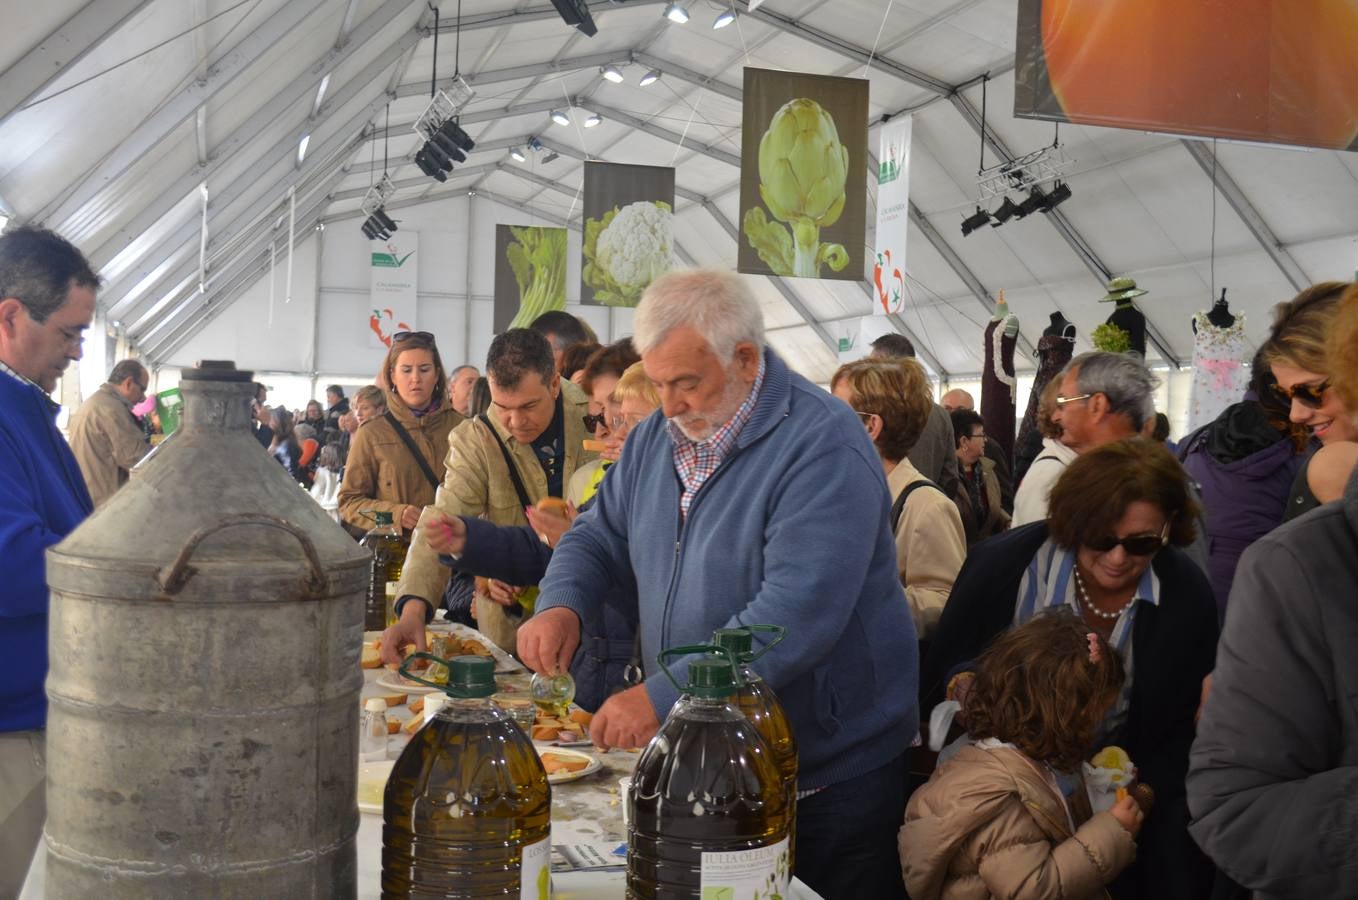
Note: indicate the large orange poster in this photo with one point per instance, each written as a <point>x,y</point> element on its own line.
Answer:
<point>1277,71</point>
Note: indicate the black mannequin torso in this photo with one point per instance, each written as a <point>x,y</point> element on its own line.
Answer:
<point>1219,315</point>
<point>1133,321</point>
<point>1058,325</point>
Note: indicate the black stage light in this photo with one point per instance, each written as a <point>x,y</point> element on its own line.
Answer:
<point>458,136</point>
<point>1032,203</point>
<point>438,156</point>
<point>384,220</point>
<point>975,221</point>
<point>368,231</point>
<point>576,12</point>
<point>446,144</point>
<point>428,166</point>
<point>1060,194</point>
<point>1004,212</point>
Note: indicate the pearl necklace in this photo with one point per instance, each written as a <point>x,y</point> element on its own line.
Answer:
<point>1086,603</point>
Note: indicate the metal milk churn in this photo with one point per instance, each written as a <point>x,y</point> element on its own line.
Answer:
<point>206,626</point>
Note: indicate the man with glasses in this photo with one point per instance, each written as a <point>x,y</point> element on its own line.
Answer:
<point>106,437</point>
<point>46,303</point>
<point>1103,397</point>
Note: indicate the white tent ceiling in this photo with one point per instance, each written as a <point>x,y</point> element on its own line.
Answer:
<point>117,116</point>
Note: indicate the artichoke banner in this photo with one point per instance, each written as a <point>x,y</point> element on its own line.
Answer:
<point>803,185</point>
<point>628,231</point>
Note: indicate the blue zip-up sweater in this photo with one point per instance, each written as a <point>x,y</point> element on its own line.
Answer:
<point>42,499</point>
<point>791,530</point>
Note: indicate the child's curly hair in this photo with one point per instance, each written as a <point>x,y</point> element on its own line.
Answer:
<point>1037,688</point>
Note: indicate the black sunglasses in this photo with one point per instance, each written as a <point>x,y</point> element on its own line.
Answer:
<point>592,422</point>
<point>1135,545</point>
<point>1312,395</point>
<point>407,335</point>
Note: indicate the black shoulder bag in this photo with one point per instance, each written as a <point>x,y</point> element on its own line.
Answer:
<point>414,451</point>
<point>509,463</point>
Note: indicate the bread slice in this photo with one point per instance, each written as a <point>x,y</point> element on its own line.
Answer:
<point>394,699</point>
<point>416,705</point>
<point>413,725</point>
<point>554,763</point>
<point>371,658</point>
<point>393,726</point>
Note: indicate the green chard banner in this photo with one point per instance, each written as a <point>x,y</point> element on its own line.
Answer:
<point>629,231</point>
<point>803,175</point>
<point>530,274</point>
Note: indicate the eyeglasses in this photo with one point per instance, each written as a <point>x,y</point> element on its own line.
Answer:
<point>975,437</point>
<point>1312,395</point>
<point>866,417</point>
<point>592,422</point>
<point>1135,545</point>
<point>417,335</point>
<point>625,423</point>
<point>1062,401</point>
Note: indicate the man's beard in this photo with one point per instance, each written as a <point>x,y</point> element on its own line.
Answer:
<point>733,394</point>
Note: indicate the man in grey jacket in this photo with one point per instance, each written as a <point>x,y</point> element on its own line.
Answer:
<point>1273,778</point>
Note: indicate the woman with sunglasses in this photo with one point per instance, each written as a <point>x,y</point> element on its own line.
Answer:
<point>599,377</point>
<point>383,472</point>
<point>1110,552</point>
<point>1275,761</point>
<point>1295,353</point>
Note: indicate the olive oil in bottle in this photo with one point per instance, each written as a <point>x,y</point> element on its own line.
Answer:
<point>760,705</point>
<point>388,548</point>
<point>709,808</point>
<point>467,807</point>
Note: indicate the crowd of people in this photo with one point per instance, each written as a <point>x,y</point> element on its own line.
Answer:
<point>1193,606</point>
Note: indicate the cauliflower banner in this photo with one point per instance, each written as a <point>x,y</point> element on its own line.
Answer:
<point>803,178</point>
<point>629,231</point>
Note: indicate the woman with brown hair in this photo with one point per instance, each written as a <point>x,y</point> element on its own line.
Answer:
<point>891,397</point>
<point>1109,551</point>
<point>1295,352</point>
<point>598,377</point>
<point>1275,762</point>
<point>396,460</point>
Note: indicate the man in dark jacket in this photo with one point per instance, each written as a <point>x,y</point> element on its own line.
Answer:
<point>1273,778</point>
<point>46,303</point>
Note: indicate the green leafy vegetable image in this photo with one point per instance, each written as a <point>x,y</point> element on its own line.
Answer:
<point>538,258</point>
<point>802,173</point>
<point>1111,338</point>
<point>626,250</point>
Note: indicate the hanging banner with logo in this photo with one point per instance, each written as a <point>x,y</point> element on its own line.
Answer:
<point>893,216</point>
<point>629,231</point>
<point>394,265</point>
<point>1272,72</point>
<point>530,274</point>
<point>803,175</point>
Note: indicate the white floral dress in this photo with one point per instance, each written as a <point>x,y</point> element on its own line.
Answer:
<point>1221,371</point>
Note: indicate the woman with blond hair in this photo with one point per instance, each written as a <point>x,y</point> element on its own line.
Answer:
<point>891,397</point>
<point>1271,786</point>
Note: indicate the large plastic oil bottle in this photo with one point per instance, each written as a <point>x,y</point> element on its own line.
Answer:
<point>388,550</point>
<point>467,807</point>
<point>709,809</point>
<point>760,705</point>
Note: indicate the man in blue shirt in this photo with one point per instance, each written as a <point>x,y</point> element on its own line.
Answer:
<point>46,303</point>
<point>754,498</point>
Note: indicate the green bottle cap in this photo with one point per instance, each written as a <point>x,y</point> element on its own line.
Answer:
<point>711,678</point>
<point>471,676</point>
<point>382,518</point>
<point>739,641</point>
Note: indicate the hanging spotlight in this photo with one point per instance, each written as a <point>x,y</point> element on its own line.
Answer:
<point>551,157</point>
<point>576,12</point>
<point>1032,203</point>
<point>561,118</point>
<point>1060,194</point>
<point>378,226</point>
<point>612,73</point>
<point>649,78</point>
<point>676,14</point>
<point>724,19</point>
<point>974,221</point>
<point>1004,212</point>
<point>429,167</point>
<point>517,155</point>
<point>455,133</point>
<point>593,119</point>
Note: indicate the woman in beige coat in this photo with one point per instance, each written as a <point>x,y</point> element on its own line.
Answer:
<point>382,473</point>
<point>993,820</point>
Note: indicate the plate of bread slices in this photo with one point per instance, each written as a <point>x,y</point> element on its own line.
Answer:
<point>564,765</point>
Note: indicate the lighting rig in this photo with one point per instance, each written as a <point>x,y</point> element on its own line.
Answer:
<point>378,225</point>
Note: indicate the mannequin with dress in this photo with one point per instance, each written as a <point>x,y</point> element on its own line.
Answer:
<point>1221,373</point>
<point>999,386</point>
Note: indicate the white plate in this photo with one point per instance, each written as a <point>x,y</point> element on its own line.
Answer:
<point>372,785</point>
<point>388,681</point>
<point>504,663</point>
<point>562,777</point>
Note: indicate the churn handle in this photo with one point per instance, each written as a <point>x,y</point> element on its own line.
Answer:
<point>173,579</point>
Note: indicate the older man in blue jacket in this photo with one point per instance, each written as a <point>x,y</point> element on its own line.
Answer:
<point>46,303</point>
<point>755,497</point>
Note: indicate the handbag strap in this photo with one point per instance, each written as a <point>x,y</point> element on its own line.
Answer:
<point>414,451</point>
<point>509,463</point>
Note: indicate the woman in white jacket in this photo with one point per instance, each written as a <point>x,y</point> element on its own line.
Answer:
<point>329,474</point>
<point>1030,502</point>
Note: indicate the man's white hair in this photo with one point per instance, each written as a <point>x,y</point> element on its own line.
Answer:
<point>716,304</point>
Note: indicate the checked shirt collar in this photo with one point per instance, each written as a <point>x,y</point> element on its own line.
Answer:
<point>695,461</point>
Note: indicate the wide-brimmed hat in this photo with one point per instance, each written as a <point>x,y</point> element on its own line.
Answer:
<point>1122,289</point>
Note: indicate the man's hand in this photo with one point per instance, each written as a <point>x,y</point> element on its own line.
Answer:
<point>547,641</point>
<point>626,720</point>
<point>410,517</point>
<point>502,594</point>
<point>447,535</point>
<point>408,630</point>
